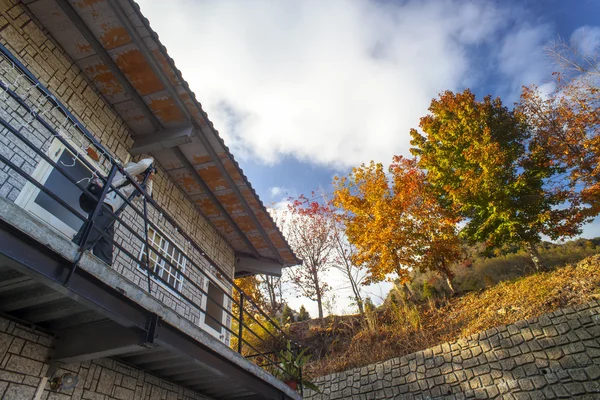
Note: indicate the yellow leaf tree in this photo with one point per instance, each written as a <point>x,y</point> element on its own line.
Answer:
<point>395,222</point>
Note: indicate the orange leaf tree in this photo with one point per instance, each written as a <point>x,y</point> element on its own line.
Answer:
<point>394,221</point>
<point>481,160</point>
<point>566,126</point>
<point>566,122</point>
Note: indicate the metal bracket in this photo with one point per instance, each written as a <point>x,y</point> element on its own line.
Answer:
<point>150,333</point>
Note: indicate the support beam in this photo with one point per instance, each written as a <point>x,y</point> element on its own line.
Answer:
<point>250,264</point>
<point>186,376</point>
<point>62,308</point>
<point>162,140</point>
<point>107,59</point>
<point>184,364</point>
<point>20,252</point>
<point>106,339</point>
<point>170,338</point>
<point>169,367</point>
<point>204,187</point>
<point>150,357</point>
<point>28,299</point>
<point>19,283</point>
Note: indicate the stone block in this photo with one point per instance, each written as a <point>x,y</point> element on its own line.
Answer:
<point>24,365</point>
<point>575,388</point>
<point>593,372</point>
<point>35,351</point>
<point>19,392</point>
<point>106,381</point>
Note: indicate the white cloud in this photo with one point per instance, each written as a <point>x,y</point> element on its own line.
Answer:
<point>587,40</point>
<point>522,60</point>
<point>331,82</point>
<point>277,191</point>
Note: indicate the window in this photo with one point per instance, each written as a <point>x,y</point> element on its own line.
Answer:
<point>46,208</point>
<point>214,310</point>
<point>169,252</point>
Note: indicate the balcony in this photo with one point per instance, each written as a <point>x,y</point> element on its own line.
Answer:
<point>163,306</point>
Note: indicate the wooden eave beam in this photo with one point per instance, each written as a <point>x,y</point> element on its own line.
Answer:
<point>107,59</point>
<point>162,140</point>
<point>186,163</point>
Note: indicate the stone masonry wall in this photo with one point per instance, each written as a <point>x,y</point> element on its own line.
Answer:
<point>37,50</point>
<point>551,357</point>
<point>22,355</point>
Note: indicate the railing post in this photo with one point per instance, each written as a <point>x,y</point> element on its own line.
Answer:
<point>89,224</point>
<point>300,372</point>
<point>241,322</point>
<point>146,244</point>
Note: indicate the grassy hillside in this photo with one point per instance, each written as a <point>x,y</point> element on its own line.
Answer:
<point>482,269</point>
<point>400,327</point>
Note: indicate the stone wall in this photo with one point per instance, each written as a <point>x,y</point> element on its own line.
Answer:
<point>23,352</point>
<point>554,356</point>
<point>37,50</point>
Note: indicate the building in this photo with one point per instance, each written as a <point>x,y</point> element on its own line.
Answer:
<point>85,87</point>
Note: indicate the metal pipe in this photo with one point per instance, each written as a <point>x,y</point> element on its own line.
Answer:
<point>240,323</point>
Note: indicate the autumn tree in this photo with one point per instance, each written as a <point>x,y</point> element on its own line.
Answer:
<point>344,252</point>
<point>309,231</point>
<point>577,59</point>
<point>481,162</point>
<point>395,222</point>
<point>250,285</point>
<point>343,261</point>
<point>566,122</point>
<point>271,287</point>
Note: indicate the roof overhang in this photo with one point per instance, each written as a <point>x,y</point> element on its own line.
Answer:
<point>113,44</point>
<point>247,265</point>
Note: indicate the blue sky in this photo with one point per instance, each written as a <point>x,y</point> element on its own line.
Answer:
<point>304,90</point>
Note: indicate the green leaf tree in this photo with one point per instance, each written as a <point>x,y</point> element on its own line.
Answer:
<point>481,161</point>
<point>303,314</point>
<point>288,314</point>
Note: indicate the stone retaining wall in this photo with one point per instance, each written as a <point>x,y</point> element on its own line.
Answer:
<point>554,356</point>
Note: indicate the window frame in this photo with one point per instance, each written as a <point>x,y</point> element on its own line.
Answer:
<point>208,279</point>
<point>166,238</point>
<point>41,173</point>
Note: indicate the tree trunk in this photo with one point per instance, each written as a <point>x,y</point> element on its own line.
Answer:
<point>407,291</point>
<point>359,304</point>
<point>274,304</point>
<point>449,282</point>
<point>535,257</point>
<point>317,284</point>
<point>357,296</point>
<point>320,304</point>
<point>359,301</point>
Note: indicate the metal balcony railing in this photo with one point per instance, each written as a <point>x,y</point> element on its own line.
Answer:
<point>248,329</point>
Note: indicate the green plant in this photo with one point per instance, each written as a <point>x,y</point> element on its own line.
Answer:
<point>290,367</point>
<point>303,315</point>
